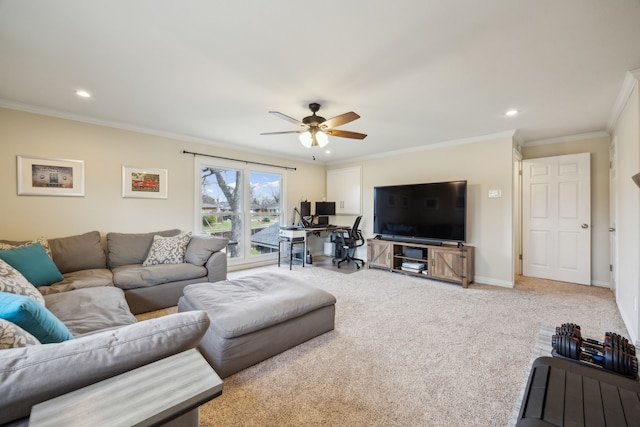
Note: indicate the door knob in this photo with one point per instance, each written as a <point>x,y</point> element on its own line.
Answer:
<point>585,226</point>
<point>612,229</point>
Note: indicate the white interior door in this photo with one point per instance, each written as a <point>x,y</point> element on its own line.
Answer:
<point>556,210</point>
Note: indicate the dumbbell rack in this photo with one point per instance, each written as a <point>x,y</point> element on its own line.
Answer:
<point>615,354</point>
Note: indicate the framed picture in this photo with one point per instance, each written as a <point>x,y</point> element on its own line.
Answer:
<point>144,183</point>
<point>39,176</point>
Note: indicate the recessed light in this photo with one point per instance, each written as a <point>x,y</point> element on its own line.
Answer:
<point>83,93</point>
<point>327,152</point>
<point>511,113</point>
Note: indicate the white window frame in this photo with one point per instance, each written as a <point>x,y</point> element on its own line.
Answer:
<point>245,259</point>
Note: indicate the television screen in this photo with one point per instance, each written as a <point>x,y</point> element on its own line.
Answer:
<point>325,208</point>
<point>430,211</point>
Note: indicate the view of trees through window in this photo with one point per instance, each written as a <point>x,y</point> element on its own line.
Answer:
<point>243,206</point>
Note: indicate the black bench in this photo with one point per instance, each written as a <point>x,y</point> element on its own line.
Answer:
<point>563,393</point>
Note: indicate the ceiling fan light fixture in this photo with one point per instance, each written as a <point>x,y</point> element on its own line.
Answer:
<point>322,138</point>
<point>314,138</point>
<point>305,139</point>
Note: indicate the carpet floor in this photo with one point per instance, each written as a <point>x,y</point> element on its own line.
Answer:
<point>408,351</point>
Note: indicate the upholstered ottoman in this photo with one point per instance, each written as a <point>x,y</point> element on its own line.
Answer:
<point>256,317</point>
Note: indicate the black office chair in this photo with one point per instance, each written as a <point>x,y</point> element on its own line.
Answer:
<point>349,244</point>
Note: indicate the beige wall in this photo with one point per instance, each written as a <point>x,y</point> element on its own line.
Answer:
<point>626,135</point>
<point>486,165</point>
<point>105,150</point>
<point>599,149</point>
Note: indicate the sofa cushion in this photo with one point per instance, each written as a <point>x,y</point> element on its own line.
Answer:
<point>13,336</point>
<point>167,250</point>
<point>80,280</point>
<point>132,248</point>
<point>33,318</point>
<point>137,276</point>
<point>101,308</point>
<point>34,264</point>
<point>13,282</point>
<point>9,244</point>
<point>78,363</point>
<point>81,252</point>
<point>201,246</point>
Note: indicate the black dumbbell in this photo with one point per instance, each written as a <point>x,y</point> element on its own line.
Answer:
<point>614,340</point>
<point>615,354</point>
<point>567,345</point>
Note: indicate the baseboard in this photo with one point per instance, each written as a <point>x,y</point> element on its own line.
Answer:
<point>494,282</point>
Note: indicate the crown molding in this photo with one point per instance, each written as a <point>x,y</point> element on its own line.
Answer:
<point>430,146</point>
<point>568,138</point>
<point>630,81</point>
<point>138,129</point>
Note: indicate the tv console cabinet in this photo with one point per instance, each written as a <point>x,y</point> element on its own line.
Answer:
<point>447,262</point>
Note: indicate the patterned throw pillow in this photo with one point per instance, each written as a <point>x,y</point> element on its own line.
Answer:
<point>12,281</point>
<point>13,336</point>
<point>167,250</point>
<point>44,242</point>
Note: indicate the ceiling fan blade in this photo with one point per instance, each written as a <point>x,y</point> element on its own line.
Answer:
<point>279,133</point>
<point>287,118</point>
<point>345,134</point>
<point>340,120</point>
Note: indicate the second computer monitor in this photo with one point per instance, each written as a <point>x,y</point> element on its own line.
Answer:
<point>305,209</point>
<point>325,208</point>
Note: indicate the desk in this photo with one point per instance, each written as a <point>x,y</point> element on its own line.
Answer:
<point>298,236</point>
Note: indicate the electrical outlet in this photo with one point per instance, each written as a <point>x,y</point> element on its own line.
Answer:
<point>494,194</point>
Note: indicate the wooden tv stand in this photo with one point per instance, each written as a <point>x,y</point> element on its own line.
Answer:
<point>446,262</point>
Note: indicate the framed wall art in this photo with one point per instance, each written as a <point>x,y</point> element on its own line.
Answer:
<point>40,176</point>
<point>144,183</point>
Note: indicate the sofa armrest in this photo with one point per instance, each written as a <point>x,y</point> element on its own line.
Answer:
<point>31,375</point>
<point>217,267</point>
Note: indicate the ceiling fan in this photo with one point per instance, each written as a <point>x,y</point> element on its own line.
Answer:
<point>316,128</point>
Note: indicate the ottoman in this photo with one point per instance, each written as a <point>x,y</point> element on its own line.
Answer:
<point>256,317</point>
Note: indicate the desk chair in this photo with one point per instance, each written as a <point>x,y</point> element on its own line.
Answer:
<point>349,244</point>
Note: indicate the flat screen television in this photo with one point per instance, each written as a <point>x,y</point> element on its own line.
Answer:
<point>429,212</point>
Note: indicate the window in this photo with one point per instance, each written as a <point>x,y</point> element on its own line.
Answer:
<point>243,204</point>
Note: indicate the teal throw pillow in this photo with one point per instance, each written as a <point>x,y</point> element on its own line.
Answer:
<point>33,318</point>
<point>34,264</point>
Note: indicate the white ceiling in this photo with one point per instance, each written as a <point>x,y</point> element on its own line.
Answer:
<point>417,72</point>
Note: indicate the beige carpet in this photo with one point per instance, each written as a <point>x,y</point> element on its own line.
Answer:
<point>408,351</point>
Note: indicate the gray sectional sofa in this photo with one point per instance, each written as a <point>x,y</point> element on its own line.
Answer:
<point>84,263</point>
<point>95,301</point>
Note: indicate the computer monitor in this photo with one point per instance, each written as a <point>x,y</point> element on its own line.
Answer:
<point>325,208</point>
<point>305,209</point>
